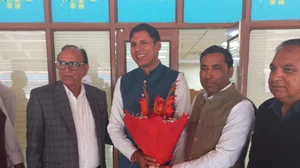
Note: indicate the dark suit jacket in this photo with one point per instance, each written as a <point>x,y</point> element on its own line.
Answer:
<point>51,134</point>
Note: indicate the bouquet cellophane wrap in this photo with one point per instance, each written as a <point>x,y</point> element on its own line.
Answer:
<point>154,136</point>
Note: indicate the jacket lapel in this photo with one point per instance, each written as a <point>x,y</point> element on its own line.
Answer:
<point>65,108</point>
<point>93,100</point>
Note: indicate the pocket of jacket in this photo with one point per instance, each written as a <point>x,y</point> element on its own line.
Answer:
<point>213,130</point>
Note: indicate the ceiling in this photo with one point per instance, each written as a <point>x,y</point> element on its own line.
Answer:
<point>193,42</point>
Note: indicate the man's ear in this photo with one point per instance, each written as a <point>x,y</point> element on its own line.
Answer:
<point>86,69</point>
<point>230,71</point>
<point>158,45</point>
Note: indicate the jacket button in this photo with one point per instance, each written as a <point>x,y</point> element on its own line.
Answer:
<point>195,139</point>
<point>200,121</point>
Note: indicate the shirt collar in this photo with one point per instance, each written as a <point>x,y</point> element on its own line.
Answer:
<point>211,97</point>
<point>296,107</point>
<point>159,64</point>
<point>69,92</point>
<point>277,104</point>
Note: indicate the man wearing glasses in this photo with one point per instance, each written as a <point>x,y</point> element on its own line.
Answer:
<point>66,120</point>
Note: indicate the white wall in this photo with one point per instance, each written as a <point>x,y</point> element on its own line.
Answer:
<point>191,74</point>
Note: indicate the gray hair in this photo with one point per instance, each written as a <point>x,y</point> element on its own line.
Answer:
<point>290,42</point>
<point>82,51</point>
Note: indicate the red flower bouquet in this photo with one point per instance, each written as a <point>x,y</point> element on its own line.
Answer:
<point>156,131</point>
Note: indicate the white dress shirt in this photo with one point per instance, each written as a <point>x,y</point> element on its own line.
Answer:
<point>85,129</point>
<point>12,146</point>
<point>116,124</point>
<point>238,126</point>
<point>9,100</point>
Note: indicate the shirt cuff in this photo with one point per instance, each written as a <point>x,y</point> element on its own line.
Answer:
<point>129,152</point>
<point>180,165</point>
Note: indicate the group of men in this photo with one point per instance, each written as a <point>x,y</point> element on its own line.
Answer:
<point>68,126</point>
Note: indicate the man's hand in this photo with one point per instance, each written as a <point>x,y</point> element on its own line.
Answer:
<point>143,160</point>
<point>160,166</point>
<point>20,165</point>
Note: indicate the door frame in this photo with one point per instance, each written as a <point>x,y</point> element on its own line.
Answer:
<point>238,86</point>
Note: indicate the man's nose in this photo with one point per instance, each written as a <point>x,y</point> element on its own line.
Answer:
<point>276,74</point>
<point>67,69</point>
<point>209,74</point>
<point>138,47</point>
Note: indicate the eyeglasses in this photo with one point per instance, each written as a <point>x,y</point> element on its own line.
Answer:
<point>74,66</point>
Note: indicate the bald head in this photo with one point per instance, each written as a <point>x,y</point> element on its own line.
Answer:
<point>289,43</point>
<point>74,47</point>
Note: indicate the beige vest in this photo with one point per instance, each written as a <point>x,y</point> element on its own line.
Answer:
<point>207,121</point>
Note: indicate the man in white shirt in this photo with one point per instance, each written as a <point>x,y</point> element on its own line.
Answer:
<point>9,103</point>
<point>13,149</point>
<point>222,118</point>
<point>145,46</point>
<point>67,120</point>
<point>9,100</point>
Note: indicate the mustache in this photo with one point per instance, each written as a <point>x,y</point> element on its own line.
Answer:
<point>67,75</point>
<point>208,81</point>
<point>275,83</point>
